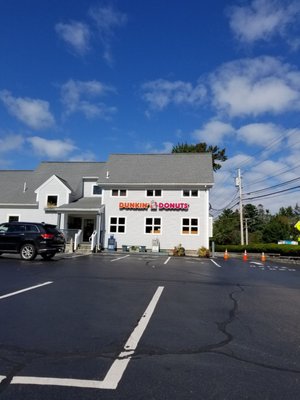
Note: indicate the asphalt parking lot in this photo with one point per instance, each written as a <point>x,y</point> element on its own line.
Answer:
<point>134,326</point>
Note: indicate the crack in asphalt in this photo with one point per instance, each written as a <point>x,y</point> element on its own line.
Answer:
<point>213,348</point>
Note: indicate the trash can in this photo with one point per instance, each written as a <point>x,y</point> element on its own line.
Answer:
<point>112,244</point>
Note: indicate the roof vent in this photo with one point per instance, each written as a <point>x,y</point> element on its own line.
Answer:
<point>107,174</point>
<point>24,187</point>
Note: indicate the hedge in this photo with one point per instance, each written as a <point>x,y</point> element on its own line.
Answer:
<point>282,249</point>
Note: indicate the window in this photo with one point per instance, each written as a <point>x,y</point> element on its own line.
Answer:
<point>153,226</point>
<point>13,218</point>
<point>119,192</point>
<point>3,227</point>
<point>32,228</point>
<point>52,201</point>
<point>117,225</point>
<point>154,193</point>
<point>97,190</point>
<point>190,226</point>
<point>190,193</point>
<point>16,228</point>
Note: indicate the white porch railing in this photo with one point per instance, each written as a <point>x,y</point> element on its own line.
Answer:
<point>93,241</point>
<point>77,239</point>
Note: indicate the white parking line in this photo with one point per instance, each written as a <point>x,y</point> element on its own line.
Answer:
<point>119,258</point>
<point>24,290</point>
<point>167,260</point>
<point>116,371</point>
<point>219,266</point>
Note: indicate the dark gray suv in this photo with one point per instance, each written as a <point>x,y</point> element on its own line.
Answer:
<point>30,239</point>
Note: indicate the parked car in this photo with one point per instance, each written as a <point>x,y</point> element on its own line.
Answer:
<point>30,239</point>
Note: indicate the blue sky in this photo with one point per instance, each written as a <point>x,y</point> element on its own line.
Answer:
<point>82,79</point>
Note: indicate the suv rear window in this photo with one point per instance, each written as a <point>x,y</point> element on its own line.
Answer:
<point>32,228</point>
<point>51,229</point>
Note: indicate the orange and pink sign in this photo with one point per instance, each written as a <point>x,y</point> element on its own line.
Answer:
<point>153,205</point>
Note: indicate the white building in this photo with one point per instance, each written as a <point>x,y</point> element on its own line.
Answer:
<point>133,197</point>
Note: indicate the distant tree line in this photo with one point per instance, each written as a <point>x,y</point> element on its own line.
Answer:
<point>263,227</point>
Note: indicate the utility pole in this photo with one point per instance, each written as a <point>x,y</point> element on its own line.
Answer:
<point>246,230</point>
<point>238,183</point>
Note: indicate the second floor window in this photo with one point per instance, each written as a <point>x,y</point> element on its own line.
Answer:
<point>52,201</point>
<point>97,190</point>
<point>119,192</point>
<point>190,193</point>
<point>154,193</point>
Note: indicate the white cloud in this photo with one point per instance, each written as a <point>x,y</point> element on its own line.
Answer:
<point>260,134</point>
<point>262,19</point>
<point>32,112</point>
<point>76,35</point>
<point>53,149</point>
<point>77,95</point>
<point>161,93</point>
<point>213,132</point>
<point>11,142</point>
<point>256,86</point>
<point>107,20</point>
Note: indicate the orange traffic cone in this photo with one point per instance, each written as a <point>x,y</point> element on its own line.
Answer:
<point>226,255</point>
<point>263,257</point>
<point>245,256</point>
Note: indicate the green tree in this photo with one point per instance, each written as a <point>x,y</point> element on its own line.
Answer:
<point>227,228</point>
<point>278,228</point>
<point>217,154</point>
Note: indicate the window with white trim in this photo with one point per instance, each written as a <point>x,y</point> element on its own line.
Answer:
<point>153,193</point>
<point>190,193</point>
<point>119,192</point>
<point>153,225</point>
<point>13,218</point>
<point>117,224</point>
<point>52,201</point>
<point>190,226</point>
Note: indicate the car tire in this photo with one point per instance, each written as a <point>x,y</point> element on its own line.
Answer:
<point>28,252</point>
<point>47,256</point>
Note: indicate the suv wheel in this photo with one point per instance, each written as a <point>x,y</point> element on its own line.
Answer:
<point>48,256</point>
<point>28,252</point>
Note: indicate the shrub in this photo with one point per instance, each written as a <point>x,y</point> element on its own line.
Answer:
<point>282,249</point>
<point>179,251</point>
<point>203,252</point>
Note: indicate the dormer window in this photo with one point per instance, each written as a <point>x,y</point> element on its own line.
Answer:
<point>97,190</point>
<point>52,201</point>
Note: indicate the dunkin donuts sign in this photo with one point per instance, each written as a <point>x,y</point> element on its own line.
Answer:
<point>153,205</point>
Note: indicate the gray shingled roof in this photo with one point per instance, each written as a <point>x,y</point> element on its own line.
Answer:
<point>12,187</point>
<point>169,169</point>
<point>71,173</point>
<point>87,203</point>
<point>124,169</point>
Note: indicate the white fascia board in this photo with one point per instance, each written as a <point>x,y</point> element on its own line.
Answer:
<point>49,180</point>
<point>17,205</point>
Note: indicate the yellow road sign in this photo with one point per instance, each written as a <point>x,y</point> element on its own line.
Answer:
<point>297,225</point>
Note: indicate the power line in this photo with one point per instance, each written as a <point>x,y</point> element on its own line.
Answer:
<point>274,186</point>
<point>271,194</point>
